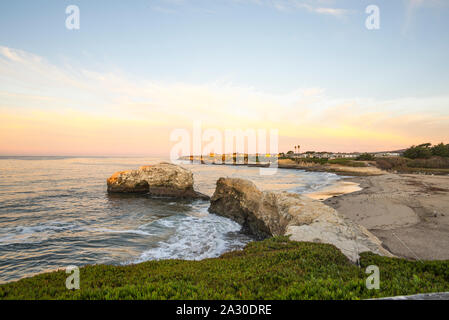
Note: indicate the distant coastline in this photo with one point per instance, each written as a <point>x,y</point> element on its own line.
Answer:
<point>336,168</point>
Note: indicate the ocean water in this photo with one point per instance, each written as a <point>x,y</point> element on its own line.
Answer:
<point>55,212</point>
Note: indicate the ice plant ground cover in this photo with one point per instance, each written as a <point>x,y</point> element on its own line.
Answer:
<point>276,268</point>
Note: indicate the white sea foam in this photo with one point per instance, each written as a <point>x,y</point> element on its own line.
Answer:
<point>65,216</point>
<point>201,235</point>
<point>196,238</point>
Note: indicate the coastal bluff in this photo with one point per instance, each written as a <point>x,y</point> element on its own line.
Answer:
<point>163,179</point>
<point>265,214</point>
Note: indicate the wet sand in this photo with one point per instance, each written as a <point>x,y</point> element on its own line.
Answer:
<point>341,187</point>
<point>409,213</point>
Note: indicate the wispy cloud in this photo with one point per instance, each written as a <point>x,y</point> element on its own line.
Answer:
<point>163,9</point>
<point>314,6</point>
<point>412,6</point>
<point>324,7</point>
<point>179,6</point>
<point>58,109</point>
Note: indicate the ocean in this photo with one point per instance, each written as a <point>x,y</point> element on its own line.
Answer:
<point>55,212</point>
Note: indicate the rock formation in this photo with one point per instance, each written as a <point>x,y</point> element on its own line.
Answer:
<point>163,179</point>
<point>265,214</point>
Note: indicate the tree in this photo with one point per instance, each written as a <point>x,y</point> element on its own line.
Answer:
<point>441,150</point>
<point>425,145</point>
<point>422,151</point>
<point>365,157</point>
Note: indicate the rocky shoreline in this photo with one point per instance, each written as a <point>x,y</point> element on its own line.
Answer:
<point>277,267</point>
<point>390,214</point>
<point>261,214</point>
<point>337,169</point>
<point>407,212</point>
<point>267,213</point>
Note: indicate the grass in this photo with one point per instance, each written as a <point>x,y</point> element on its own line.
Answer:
<point>405,165</point>
<point>428,171</point>
<point>348,163</point>
<point>275,268</point>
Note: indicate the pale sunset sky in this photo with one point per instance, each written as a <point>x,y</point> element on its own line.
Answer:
<point>136,70</point>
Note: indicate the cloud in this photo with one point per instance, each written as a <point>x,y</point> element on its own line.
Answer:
<point>163,9</point>
<point>314,6</point>
<point>412,6</point>
<point>331,11</point>
<point>417,3</point>
<point>49,109</point>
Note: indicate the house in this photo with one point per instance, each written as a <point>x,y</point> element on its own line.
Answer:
<point>386,154</point>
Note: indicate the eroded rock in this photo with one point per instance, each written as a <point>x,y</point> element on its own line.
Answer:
<point>265,214</point>
<point>163,179</point>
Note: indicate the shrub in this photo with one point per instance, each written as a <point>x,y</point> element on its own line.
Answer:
<point>384,164</point>
<point>433,163</point>
<point>365,157</point>
<point>311,160</point>
<point>393,163</point>
<point>347,162</point>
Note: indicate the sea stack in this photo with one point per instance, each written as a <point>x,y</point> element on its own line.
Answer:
<point>265,214</point>
<point>163,179</point>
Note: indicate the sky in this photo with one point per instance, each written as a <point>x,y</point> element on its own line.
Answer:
<point>135,71</point>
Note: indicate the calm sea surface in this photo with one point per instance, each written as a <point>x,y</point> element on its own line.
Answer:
<point>55,212</point>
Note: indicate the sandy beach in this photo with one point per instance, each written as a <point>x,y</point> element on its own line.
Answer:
<point>341,187</point>
<point>409,213</point>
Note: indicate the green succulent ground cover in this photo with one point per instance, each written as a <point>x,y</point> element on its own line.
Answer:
<point>275,268</point>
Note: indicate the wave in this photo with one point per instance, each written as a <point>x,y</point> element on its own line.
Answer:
<point>61,209</point>
<point>196,238</point>
<point>34,234</point>
<point>105,230</point>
